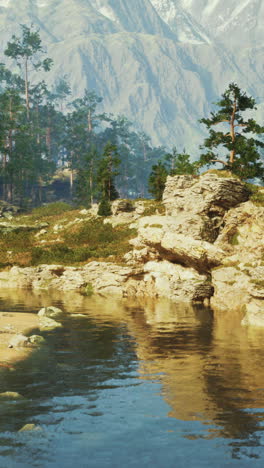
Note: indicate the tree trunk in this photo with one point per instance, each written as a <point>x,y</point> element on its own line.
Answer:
<point>89,119</point>
<point>232,132</point>
<point>26,87</point>
<point>91,182</point>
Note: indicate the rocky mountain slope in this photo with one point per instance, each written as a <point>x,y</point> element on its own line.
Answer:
<point>160,62</point>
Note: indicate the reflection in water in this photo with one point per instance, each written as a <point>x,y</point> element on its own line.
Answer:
<point>210,368</point>
<point>170,383</point>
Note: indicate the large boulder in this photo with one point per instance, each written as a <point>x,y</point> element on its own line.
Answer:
<point>165,235</point>
<point>122,206</point>
<point>237,285</point>
<point>243,231</point>
<point>7,210</point>
<point>208,194</point>
<point>164,279</point>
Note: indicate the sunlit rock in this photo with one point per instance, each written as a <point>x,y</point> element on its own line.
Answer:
<point>51,312</point>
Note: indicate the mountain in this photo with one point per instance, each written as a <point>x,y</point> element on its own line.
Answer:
<point>160,62</point>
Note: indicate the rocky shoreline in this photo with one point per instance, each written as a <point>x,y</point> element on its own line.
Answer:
<point>208,246</point>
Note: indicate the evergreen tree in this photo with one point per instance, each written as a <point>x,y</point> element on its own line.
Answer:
<point>26,50</point>
<point>180,164</point>
<point>107,171</point>
<point>104,208</point>
<point>243,157</point>
<point>157,180</point>
<point>86,175</point>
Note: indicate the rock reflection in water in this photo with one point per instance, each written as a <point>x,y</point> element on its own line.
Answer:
<point>210,367</point>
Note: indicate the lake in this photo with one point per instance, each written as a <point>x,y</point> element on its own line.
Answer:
<point>135,384</point>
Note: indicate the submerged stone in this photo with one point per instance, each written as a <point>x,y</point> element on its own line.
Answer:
<point>30,427</point>
<point>11,396</point>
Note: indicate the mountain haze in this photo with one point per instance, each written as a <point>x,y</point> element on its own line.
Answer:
<point>160,62</point>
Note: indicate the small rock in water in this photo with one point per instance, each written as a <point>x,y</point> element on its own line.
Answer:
<point>30,427</point>
<point>48,324</point>
<point>51,312</point>
<point>19,341</point>
<point>36,340</point>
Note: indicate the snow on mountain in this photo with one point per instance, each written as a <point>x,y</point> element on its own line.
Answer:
<point>180,21</point>
<point>160,62</point>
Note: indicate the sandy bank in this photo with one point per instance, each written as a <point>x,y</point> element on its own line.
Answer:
<point>12,323</point>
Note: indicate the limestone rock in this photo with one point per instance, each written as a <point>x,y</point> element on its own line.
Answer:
<point>48,324</point>
<point>164,279</point>
<point>188,251</point>
<point>208,194</point>
<point>51,312</point>
<point>121,206</point>
<point>235,286</point>
<point>36,340</point>
<point>162,233</point>
<point>243,231</point>
<point>7,210</point>
<point>195,226</point>
<point>254,314</point>
<point>106,278</point>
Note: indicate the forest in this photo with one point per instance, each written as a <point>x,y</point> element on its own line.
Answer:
<point>53,147</point>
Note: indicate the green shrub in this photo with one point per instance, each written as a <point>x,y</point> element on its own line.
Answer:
<point>60,254</point>
<point>104,208</point>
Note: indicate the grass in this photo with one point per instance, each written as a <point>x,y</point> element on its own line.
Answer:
<point>221,173</point>
<point>51,209</point>
<point>74,244</point>
<point>153,207</point>
<point>256,194</point>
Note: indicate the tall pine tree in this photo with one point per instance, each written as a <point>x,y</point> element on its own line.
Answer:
<point>237,147</point>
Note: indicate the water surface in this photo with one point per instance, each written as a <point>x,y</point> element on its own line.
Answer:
<point>135,384</point>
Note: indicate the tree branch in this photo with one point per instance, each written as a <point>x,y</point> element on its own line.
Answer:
<point>219,161</point>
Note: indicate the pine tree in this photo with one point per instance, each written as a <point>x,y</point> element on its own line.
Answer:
<point>242,156</point>
<point>180,163</point>
<point>157,180</point>
<point>104,208</point>
<point>86,175</point>
<point>107,171</point>
<point>26,50</point>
